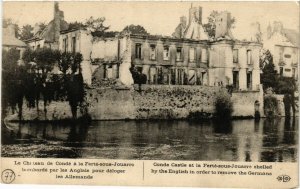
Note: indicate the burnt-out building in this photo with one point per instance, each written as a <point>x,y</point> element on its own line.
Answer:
<point>166,60</point>
<point>48,37</point>
<point>188,57</point>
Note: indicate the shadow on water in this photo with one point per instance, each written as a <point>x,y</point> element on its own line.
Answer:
<point>78,134</point>
<point>68,140</point>
<point>270,128</point>
<point>289,129</point>
<point>222,126</point>
<point>267,140</point>
<point>289,137</point>
<point>279,140</point>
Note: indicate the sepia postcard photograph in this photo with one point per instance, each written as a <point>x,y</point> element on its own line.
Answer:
<point>164,93</point>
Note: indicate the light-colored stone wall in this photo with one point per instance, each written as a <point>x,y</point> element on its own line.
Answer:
<point>106,50</point>
<point>34,44</point>
<point>83,46</point>
<point>153,102</point>
<point>111,104</point>
<point>124,73</point>
<point>244,103</point>
<point>221,65</point>
<point>174,101</point>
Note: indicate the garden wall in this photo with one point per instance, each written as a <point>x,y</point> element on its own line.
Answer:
<point>174,101</point>
<point>111,104</point>
<point>152,102</point>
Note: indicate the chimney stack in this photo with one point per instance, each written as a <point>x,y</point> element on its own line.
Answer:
<point>195,15</point>
<point>56,8</point>
<point>223,24</point>
<point>58,18</point>
<point>58,13</point>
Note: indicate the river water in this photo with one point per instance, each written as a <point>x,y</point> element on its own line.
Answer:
<point>268,140</point>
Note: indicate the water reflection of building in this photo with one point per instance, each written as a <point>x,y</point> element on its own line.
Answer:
<point>249,140</point>
<point>267,141</point>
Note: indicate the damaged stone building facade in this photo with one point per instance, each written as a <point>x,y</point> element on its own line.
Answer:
<point>188,57</point>
<point>49,36</point>
<point>103,57</point>
<point>197,62</point>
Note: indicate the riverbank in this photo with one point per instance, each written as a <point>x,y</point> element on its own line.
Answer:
<point>151,102</point>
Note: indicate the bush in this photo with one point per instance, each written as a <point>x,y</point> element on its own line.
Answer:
<point>286,85</point>
<point>223,106</point>
<point>270,105</point>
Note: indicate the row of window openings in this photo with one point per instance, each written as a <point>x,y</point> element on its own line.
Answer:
<point>236,56</point>
<point>235,83</point>
<point>182,78</point>
<point>179,57</point>
<point>66,45</point>
<point>166,53</point>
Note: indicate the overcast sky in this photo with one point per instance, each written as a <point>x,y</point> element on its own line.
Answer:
<point>156,17</point>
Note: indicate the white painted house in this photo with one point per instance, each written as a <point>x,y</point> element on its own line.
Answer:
<point>284,46</point>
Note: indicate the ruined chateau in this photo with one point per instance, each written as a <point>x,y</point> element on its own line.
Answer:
<point>188,57</point>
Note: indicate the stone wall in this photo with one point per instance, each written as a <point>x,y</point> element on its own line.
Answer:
<point>106,50</point>
<point>173,101</point>
<point>152,102</point>
<point>55,111</point>
<point>244,103</point>
<point>111,104</point>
